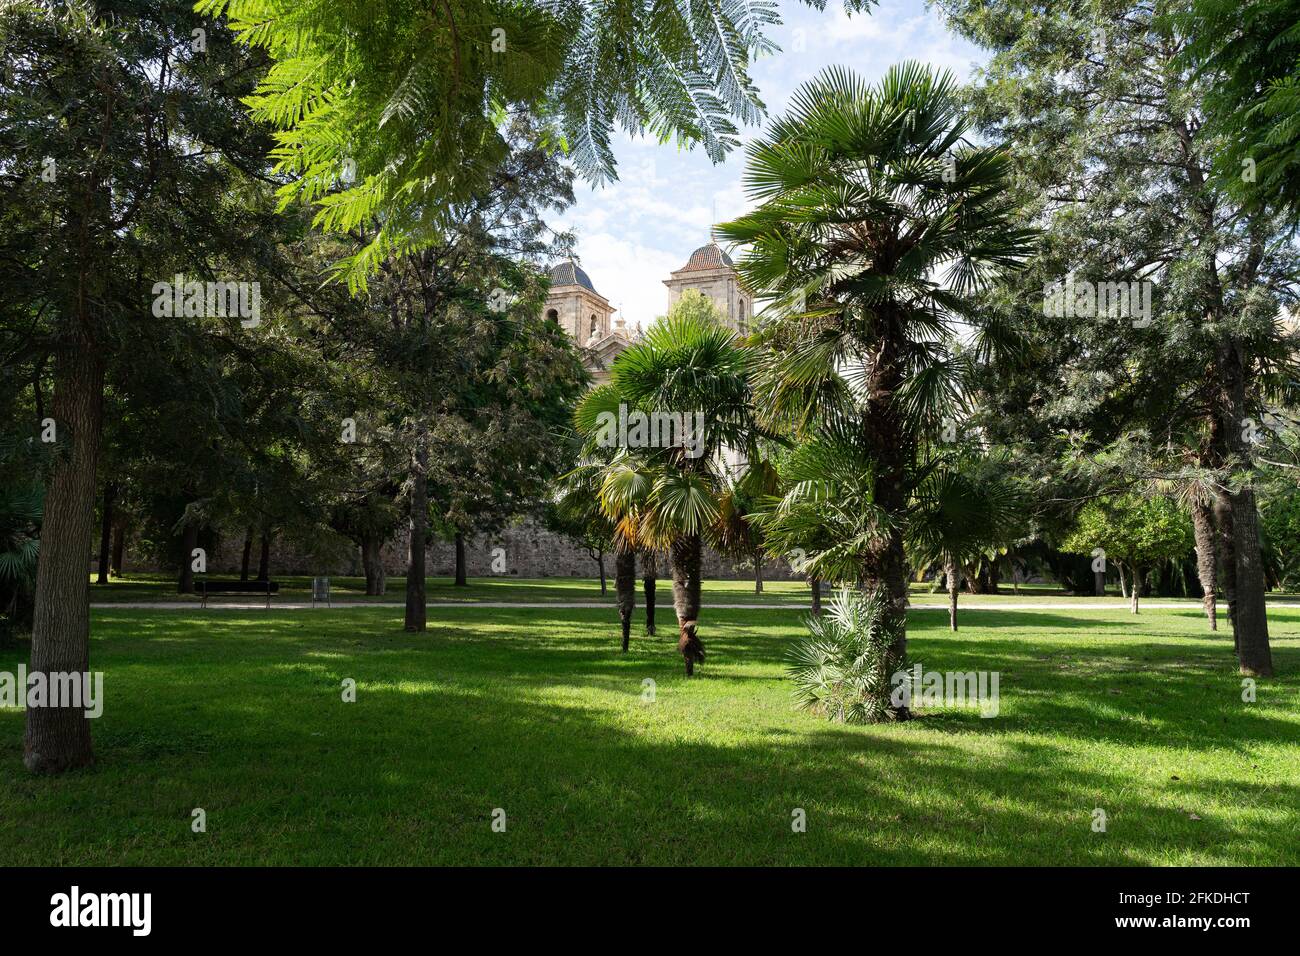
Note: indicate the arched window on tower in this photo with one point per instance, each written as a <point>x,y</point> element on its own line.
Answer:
<point>742,315</point>
<point>593,323</point>
<point>553,316</point>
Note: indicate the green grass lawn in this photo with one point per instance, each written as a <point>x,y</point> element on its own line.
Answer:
<point>536,712</point>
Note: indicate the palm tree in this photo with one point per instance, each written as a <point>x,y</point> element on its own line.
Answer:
<point>735,531</point>
<point>666,493</point>
<point>577,505</point>
<point>21,508</point>
<point>877,227</point>
<point>963,510</point>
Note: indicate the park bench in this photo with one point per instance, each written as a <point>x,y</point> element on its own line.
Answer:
<point>238,587</point>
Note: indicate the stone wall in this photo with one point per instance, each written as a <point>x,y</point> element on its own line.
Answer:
<point>525,550</point>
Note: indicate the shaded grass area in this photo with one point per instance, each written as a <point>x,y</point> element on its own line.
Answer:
<point>536,713</point>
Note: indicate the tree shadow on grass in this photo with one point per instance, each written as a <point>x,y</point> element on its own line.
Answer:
<point>544,719</point>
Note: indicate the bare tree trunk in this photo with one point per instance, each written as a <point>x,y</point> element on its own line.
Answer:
<point>462,579</point>
<point>1206,559</point>
<point>419,518</point>
<point>816,585</point>
<point>1123,583</point>
<point>1254,656</point>
<point>119,544</point>
<point>189,541</point>
<point>372,564</point>
<point>650,581</point>
<point>1135,588</point>
<point>56,739</point>
<point>264,558</point>
<point>950,569</point>
<point>758,572</point>
<point>106,533</point>
<point>1247,603</point>
<point>600,562</point>
<point>247,555</point>
<point>625,589</point>
<point>684,557</point>
<point>365,560</point>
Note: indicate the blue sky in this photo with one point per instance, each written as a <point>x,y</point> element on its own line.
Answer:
<point>632,233</point>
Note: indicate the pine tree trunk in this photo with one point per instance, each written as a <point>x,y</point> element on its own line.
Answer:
<point>1206,559</point>
<point>950,569</point>
<point>462,579</point>
<point>419,518</point>
<point>247,556</point>
<point>56,739</point>
<point>625,589</point>
<point>650,581</point>
<point>684,557</point>
<point>189,541</point>
<point>106,533</point>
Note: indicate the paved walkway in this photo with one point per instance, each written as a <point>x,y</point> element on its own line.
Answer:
<point>667,605</point>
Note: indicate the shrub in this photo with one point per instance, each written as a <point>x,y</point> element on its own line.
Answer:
<point>842,670</point>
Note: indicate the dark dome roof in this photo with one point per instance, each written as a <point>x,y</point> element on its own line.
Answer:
<point>707,257</point>
<point>569,273</point>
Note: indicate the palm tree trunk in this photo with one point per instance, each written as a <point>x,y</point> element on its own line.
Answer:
<point>106,532</point>
<point>950,569</point>
<point>886,565</point>
<point>416,610</point>
<point>684,556</point>
<point>650,581</point>
<point>625,589</point>
<point>1206,559</point>
<point>58,738</point>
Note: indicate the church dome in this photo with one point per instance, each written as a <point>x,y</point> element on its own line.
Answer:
<point>569,273</point>
<point>707,257</point>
